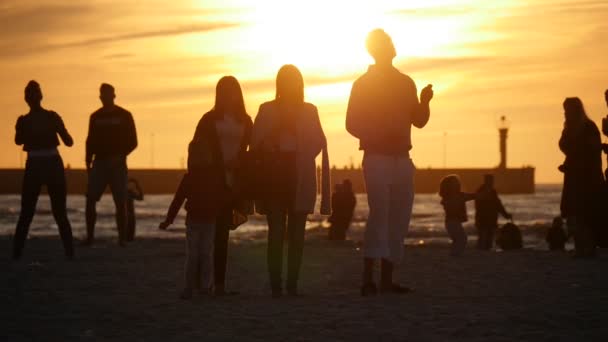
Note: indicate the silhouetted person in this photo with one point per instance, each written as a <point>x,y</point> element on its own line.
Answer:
<point>454,204</point>
<point>602,234</point>
<point>289,131</point>
<point>37,131</point>
<point>200,226</point>
<point>487,208</point>
<point>227,127</point>
<point>134,193</point>
<point>556,236</point>
<point>583,176</point>
<point>383,106</point>
<point>112,137</point>
<point>343,202</point>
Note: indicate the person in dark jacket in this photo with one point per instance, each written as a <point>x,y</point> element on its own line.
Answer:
<point>37,131</point>
<point>226,129</point>
<point>454,204</point>
<point>343,202</point>
<point>111,138</point>
<point>135,193</point>
<point>382,108</point>
<point>487,208</point>
<point>583,177</point>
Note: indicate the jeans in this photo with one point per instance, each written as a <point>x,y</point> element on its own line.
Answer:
<point>281,221</point>
<point>390,195</point>
<point>199,252</point>
<point>220,251</point>
<point>112,172</point>
<point>43,171</point>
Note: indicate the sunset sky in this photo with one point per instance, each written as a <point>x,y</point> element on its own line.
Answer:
<point>485,59</point>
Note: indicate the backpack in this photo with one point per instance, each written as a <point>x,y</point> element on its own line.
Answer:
<point>509,237</point>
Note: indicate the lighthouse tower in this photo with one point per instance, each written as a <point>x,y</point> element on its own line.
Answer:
<point>503,130</point>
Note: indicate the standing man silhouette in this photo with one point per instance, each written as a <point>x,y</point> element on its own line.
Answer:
<point>37,131</point>
<point>382,108</point>
<point>111,138</point>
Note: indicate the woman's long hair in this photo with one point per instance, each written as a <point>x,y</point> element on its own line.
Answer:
<point>574,111</point>
<point>227,91</point>
<point>290,85</point>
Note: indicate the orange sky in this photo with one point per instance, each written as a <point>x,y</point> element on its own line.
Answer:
<point>485,59</point>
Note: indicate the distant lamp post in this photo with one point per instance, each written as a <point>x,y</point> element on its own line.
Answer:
<point>503,130</point>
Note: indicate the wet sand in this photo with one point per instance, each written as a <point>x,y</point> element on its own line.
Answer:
<point>131,294</point>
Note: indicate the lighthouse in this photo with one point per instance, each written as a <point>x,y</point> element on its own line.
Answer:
<point>503,130</point>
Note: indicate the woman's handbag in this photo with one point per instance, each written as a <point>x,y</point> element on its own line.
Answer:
<point>267,175</point>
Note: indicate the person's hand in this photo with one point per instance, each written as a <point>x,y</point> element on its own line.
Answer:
<point>426,95</point>
<point>164,225</point>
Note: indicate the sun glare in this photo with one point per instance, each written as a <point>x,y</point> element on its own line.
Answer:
<point>327,37</point>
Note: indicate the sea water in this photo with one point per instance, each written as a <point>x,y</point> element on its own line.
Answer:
<point>531,212</point>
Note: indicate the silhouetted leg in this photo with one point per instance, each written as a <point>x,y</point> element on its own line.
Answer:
<point>296,229</point>
<point>369,287</point>
<point>121,219</point>
<point>368,270</point>
<point>400,209</point>
<point>376,235</point>
<point>207,237</point>
<point>97,182</point>
<point>91,218</point>
<point>193,245</point>
<point>130,219</point>
<point>480,237</point>
<point>386,274</point>
<point>458,236</point>
<point>220,256</point>
<point>491,233</point>
<point>57,193</point>
<point>276,235</point>
<point>339,229</point>
<point>118,185</point>
<point>29,197</point>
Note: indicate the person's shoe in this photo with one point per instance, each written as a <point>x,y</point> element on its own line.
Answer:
<point>292,292</point>
<point>395,288</point>
<point>368,290</point>
<point>186,294</point>
<point>122,243</point>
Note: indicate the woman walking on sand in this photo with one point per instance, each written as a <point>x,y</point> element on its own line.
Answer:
<point>219,143</point>
<point>583,176</point>
<point>289,131</point>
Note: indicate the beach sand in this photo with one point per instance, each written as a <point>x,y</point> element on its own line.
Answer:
<point>131,294</point>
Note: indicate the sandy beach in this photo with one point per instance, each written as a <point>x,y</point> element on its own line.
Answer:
<point>131,294</point>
